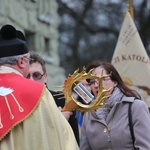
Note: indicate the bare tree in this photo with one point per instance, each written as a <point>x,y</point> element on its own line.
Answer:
<point>89,29</point>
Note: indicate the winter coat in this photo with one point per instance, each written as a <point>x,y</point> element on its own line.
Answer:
<point>114,133</point>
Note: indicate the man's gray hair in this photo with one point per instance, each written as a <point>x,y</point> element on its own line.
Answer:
<point>12,60</point>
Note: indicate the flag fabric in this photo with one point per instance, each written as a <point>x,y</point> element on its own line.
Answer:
<point>130,57</point>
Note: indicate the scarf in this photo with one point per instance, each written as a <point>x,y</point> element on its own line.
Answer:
<point>115,97</point>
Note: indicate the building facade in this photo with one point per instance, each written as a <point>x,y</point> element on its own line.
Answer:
<point>39,21</point>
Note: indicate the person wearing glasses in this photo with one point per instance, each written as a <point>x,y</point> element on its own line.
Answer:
<point>29,117</point>
<point>37,72</point>
<point>108,127</point>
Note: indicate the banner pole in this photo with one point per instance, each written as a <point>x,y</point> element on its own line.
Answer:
<point>130,8</point>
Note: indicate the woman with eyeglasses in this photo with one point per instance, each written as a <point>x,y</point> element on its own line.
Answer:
<point>108,127</point>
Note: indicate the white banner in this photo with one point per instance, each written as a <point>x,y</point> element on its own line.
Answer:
<point>130,57</point>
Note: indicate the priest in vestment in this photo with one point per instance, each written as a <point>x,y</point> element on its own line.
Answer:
<point>29,117</point>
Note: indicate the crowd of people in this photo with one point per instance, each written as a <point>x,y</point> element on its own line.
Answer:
<point>31,116</point>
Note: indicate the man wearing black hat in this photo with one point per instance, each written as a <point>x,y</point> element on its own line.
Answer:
<point>29,117</point>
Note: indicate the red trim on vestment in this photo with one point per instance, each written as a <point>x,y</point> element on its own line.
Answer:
<point>26,95</point>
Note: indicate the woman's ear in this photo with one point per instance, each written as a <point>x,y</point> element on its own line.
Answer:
<point>115,83</point>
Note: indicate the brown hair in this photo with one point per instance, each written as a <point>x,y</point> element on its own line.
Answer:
<point>37,58</point>
<point>109,68</point>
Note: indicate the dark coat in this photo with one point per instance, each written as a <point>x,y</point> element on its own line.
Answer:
<point>72,120</point>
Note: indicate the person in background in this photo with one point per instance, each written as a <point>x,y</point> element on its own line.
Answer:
<point>108,127</point>
<point>37,72</point>
<point>29,117</point>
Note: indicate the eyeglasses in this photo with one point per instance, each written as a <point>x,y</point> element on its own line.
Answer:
<point>35,75</point>
<point>30,59</point>
<point>92,82</point>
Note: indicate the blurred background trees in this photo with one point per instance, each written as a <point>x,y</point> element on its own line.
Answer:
<point>89,29</point>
